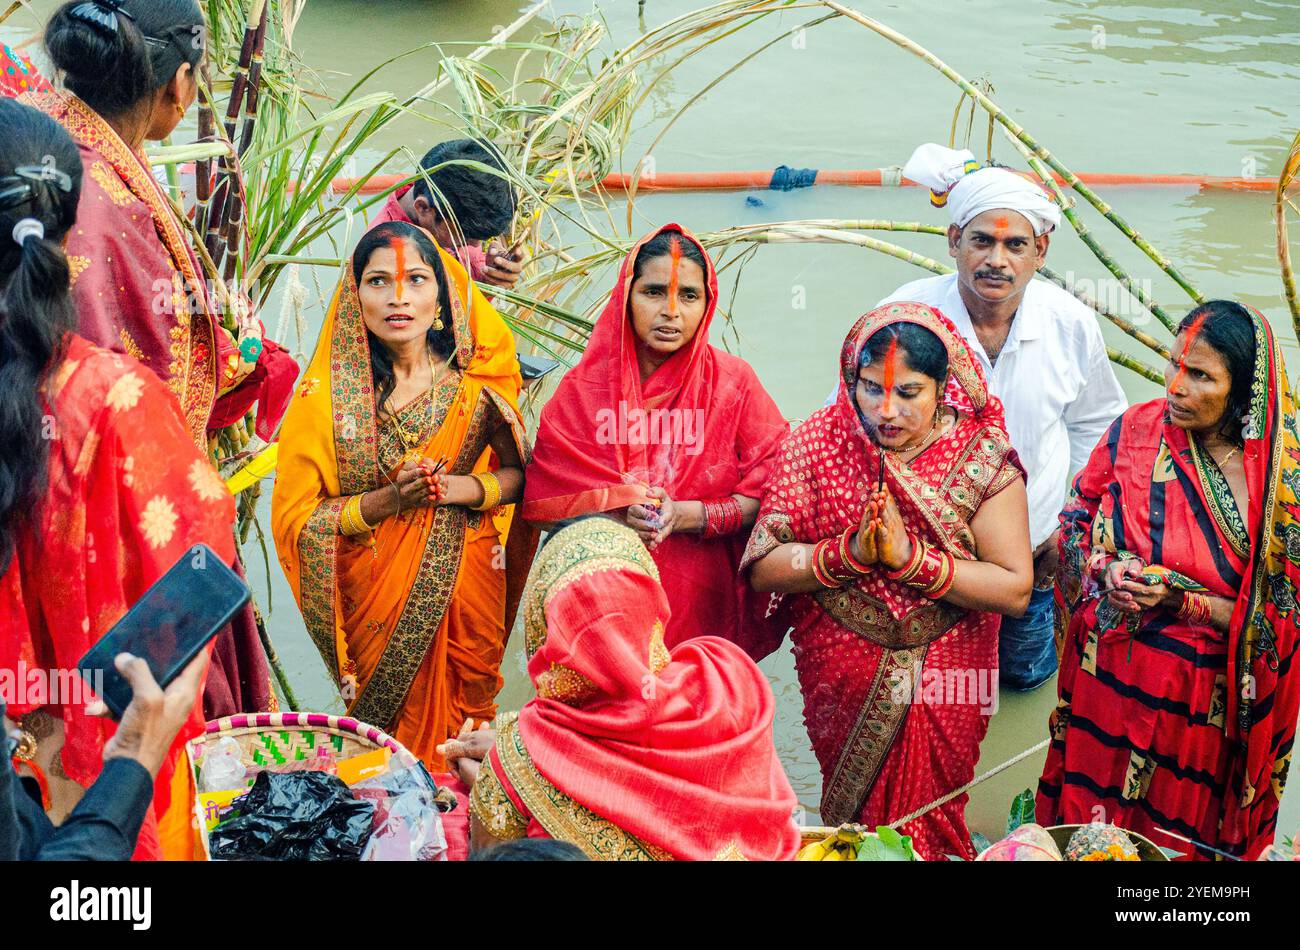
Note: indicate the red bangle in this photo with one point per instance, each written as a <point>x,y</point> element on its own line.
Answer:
<point>1195,608</point>
<point>819,570</point>
<point>829,557</point>
<point>722,516</point>
<point>846,552</point>
<point>929,570</point>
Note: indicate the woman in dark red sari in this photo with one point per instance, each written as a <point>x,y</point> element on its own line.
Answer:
<point>129,70</point>
<point>673,434</point>
<point>1180,553</point>
<point>900,563</point>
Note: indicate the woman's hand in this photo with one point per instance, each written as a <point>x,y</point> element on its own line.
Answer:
<point>1132,594</point>
<point>465,753</point>
<point>893,543</point>
<point>864,542</point>
<point>414,485</point>
<point>653,522</point>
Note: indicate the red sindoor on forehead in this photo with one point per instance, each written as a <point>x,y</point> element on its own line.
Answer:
<point>399,248</point>
<point>1192,333</point>
<point>891,361</point>
<point>675,251</point>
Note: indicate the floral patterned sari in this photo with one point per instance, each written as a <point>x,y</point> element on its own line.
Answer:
<point>861,650</point>
<point>418,621</point>
<point>1162,724</point>
<point>138,290</point>
<point>128,495</point>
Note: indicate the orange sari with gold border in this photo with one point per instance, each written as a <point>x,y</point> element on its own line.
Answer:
<point>418,621</point>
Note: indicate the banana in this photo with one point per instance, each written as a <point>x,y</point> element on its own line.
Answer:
<point>817,851</point>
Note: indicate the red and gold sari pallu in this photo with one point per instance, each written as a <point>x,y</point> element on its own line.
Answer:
<point>860,650</point>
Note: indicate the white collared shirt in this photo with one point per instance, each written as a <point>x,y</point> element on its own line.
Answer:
<point>1053,377</point>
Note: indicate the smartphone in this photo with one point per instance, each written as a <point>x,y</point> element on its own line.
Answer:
<point>168,626</point>
<point>535,367</point>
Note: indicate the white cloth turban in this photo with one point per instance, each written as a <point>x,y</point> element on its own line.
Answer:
<point>955,177</point>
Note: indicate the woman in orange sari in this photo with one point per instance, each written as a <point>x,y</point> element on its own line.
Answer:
<point>101,488</point>
<point>128,68</point>
<point>632,750</point>
<point>403,439</point>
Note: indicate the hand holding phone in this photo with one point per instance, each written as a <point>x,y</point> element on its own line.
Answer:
<point>154,715</point>
<point>167,627</point>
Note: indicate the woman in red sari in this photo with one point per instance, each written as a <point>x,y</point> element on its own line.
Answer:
<point>129,70</point>
<point>632,751</point>
<point>671,433</point>
<point>1180,554</point>
<point>101,488</point>
<point>901,562</point>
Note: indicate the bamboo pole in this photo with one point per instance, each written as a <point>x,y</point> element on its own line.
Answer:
<point>1019,132</point>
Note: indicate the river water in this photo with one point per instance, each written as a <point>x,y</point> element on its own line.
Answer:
<point>1161,86</point>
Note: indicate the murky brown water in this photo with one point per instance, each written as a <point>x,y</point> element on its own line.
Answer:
<point>1170,86</point>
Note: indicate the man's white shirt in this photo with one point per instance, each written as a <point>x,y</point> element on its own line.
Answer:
<point>1053,377</point>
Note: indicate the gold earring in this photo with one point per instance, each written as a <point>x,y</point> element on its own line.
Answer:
<point>180,110</point>
<point>437,319</point>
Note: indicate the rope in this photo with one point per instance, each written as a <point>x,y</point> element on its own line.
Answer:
<point>972,783</point>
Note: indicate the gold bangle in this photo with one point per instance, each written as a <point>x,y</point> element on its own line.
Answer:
<point>491,486</point>
<point>351,521</point>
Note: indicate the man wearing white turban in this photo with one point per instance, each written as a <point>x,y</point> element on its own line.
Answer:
<point>1041,349</point>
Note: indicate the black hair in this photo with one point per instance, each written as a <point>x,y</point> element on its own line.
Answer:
<point>530,849</point>
<point>475,203</point>
<point>442,342</point>
<point>40,178</point>
<point>1230,331</point>
<point>114,53</point>
<point>661,245</point>
<point>924,352</point>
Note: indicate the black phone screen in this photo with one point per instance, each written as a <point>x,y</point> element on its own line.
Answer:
<point>168,625</point>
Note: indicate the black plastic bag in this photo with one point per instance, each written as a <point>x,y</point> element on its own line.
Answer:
<point>295,816</point>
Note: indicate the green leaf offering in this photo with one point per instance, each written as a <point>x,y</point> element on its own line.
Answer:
<point>1022,811</point>
<point>886,845</point>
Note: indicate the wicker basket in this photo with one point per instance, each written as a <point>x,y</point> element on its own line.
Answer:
<point>811,834</point>
<point>1147,849</point>
<point>270,739</point>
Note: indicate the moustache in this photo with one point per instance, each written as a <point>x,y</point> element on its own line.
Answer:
<point>990,275</point>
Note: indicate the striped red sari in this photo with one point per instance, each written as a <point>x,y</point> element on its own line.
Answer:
<point>1149,732</point>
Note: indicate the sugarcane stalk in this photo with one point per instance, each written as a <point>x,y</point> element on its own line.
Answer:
<point>1128,327</point>
<point>203,167</point>
<point>273,660</point>
<point>235,106</point>
<point>1029,141</point>
<point>249,119</point>
<point>231,230</point>
<point>1290,169</point>
<point>1128,362</point>
<point>786,234</point>
<point>1085,234</point>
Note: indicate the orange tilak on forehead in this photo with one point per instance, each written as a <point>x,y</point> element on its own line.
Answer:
<point>1001,224</point>
<point>891,361</point>
<point>675,252</point>
<point>399,249</point>
<point>1192,333</point>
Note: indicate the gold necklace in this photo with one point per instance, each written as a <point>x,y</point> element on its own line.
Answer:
<point>922,444</point>
<point>408,439</point>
